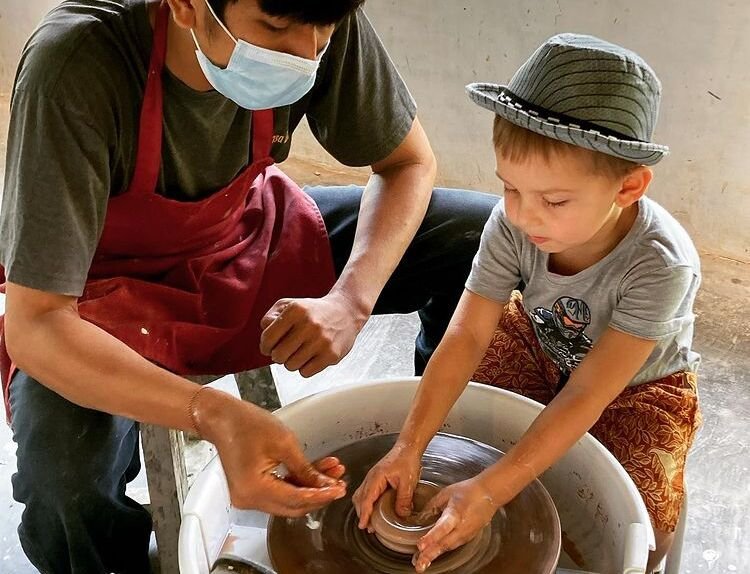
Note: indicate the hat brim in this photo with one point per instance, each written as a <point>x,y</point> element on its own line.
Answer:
<point>489,96</point>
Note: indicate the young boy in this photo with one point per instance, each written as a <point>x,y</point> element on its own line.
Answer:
<point>603,332</point>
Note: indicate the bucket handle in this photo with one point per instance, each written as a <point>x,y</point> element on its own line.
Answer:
<point>636,549</point>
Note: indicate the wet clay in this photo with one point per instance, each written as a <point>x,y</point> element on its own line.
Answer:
<point>522,538</point>
<point>572,551</point>
<point>401,533</point>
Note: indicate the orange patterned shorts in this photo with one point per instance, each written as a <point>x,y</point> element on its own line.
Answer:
<point>649,428</point>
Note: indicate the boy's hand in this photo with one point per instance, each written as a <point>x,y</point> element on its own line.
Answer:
<point>400,470</point>
<point>466,507</point>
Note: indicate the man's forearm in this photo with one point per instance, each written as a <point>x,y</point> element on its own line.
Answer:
<point>393,206</point>
<point>91,368</point>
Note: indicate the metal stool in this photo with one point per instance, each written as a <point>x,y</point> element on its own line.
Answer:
<point>164,457</point>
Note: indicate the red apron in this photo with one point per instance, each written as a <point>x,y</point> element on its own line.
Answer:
<point>185,284</point>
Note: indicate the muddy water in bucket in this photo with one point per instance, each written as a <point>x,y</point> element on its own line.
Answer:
<point>523,537</point>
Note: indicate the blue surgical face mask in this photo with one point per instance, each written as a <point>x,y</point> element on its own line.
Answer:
<point>257,78</point>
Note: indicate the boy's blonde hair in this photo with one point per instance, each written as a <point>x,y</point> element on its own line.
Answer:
<point>517,144</point>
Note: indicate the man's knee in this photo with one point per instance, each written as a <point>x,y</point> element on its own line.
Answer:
<point>51,481</point>
<point>461,215</point>
<point>65,452</point>
<point>336,203</point>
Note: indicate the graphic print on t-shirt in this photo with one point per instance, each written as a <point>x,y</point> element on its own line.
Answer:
<point>561,332</point>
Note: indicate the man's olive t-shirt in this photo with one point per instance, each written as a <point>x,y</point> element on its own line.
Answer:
<point>74,124</point>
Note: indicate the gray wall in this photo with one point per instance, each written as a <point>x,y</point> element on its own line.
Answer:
<point>701,51</point>
<point>17,20</point>
<point>696,47</point>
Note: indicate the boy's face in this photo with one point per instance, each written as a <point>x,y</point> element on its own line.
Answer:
<point>559,203</point>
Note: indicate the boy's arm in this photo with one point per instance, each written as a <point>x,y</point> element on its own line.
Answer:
<point>601,376</point>
<point>447,374</point>
<point>465,341</point>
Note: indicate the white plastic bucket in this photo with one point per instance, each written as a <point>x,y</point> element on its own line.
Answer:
<point>601,511</point>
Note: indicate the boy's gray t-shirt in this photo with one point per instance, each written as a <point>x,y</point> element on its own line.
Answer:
<point>645,287</point>
<point>74,124</point>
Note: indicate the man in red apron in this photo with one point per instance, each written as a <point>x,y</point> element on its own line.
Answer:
<point>147,235</point>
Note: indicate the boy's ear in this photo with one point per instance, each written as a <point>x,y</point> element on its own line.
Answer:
<point>634,186</point>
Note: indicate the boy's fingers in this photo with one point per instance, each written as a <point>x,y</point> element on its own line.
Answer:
<point>365,499</point>
<point>404,498</point>
<point>357,496</point>
<point>363,505</point>
<point>444,526</point>
<point>273,313</point>
<point>452,541</point>
<point>433,507</point>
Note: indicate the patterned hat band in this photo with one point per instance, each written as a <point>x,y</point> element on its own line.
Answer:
<point>510,99</point>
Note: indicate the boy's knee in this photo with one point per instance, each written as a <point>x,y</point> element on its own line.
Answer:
<point>663,545</point>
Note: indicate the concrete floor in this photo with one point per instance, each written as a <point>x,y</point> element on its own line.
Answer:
<point>719,497</point>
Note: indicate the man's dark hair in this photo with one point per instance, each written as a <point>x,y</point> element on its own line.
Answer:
<point>320,12</point>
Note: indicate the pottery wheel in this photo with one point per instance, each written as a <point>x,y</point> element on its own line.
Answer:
<point>523,537</point>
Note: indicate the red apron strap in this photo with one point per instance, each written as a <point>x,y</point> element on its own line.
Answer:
<point>148,158</point>
<point>262,134</point>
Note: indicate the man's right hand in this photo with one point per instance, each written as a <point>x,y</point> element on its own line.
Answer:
<point>252,443</point>
<point>399,469</point>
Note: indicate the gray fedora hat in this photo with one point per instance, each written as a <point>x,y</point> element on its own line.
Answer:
<point>586,92</point>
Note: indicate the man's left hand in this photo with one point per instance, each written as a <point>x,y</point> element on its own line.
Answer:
<point>466,507</point>
<point>308,335</point>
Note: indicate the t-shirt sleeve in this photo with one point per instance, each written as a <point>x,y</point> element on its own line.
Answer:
<point>495,271</point>
<point>656,303</point>
<point>360,109</point>
<point>56,190</point>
